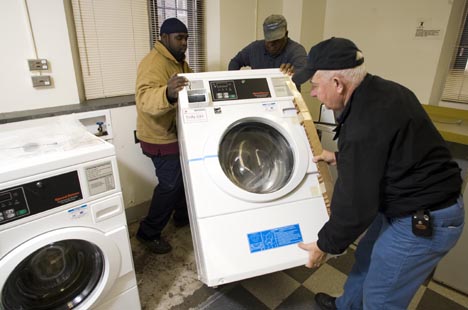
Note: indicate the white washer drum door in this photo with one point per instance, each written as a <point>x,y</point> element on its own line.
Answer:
<point>68,268</point>
<point>258,159</point>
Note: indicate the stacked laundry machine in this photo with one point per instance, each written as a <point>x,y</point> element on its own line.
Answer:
<point>253,190</point>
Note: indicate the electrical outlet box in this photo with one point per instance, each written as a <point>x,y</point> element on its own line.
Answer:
<point>41,80</point>
<point>38,64</point>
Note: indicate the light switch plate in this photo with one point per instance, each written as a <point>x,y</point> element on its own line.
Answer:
<point>38,64</point>
<point>41,80</point>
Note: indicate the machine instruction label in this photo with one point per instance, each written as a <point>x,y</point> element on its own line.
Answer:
<point>274,238</point>
<point>100,178</point>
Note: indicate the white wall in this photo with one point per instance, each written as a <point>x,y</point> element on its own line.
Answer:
<point>226,20</point>
<point>231,25</point>
<point>136,170</point>
<point>51,38</point>
<point>385,32</point>
<point>266,8</point>
<point>383,29</point>
<point>213,35</point>
<point>312,17</point>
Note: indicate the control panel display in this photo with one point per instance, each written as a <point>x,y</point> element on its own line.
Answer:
<point>223,90</point>
<point>5,197</point>
<point>39,196</point>
<point>240,89</point>
<point>13,204</point>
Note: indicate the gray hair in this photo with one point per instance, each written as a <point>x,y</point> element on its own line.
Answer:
<point>354,75</point>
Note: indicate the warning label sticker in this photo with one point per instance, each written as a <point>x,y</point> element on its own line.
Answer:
<point>274,238</point>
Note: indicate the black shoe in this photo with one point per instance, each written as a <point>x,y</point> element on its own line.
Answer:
<point>158,246</point>
<point>325,301</point>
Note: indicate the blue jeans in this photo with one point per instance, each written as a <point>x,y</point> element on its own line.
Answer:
<point>168,197</point>
<point>391,262</point>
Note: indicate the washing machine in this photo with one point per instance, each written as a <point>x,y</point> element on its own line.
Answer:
<point>252,189</point>
<point>64,241</point>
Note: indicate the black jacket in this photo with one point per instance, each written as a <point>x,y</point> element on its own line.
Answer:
<point>391,159</point>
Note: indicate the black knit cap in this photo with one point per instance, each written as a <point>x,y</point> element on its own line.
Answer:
<point>173,25</point>
<point>331,54</point>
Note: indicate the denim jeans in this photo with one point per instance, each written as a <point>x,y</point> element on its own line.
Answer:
<point>168,197</point>
<point>391,262</point>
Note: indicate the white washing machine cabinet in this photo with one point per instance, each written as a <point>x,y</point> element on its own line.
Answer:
<point>64,241</point>
<point>251,186</point>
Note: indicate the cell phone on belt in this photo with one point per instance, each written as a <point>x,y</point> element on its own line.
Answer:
<point>422,223</point>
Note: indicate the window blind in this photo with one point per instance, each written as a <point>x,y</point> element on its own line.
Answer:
<point>456,83</point>
<point>113,36</point>
<point>191,13</point>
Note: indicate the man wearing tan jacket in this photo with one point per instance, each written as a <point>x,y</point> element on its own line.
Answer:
<point>157,89</point>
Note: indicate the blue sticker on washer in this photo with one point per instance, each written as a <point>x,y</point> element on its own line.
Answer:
<point>78,212</point>
<point>274,238</point>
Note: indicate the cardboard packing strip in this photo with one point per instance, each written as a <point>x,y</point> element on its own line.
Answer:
<point>324,178</point>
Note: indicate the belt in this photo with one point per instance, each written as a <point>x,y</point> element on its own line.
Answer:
<point>443,206</point>
<point>447,204</point>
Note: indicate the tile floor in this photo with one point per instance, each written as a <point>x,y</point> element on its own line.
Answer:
<point>170,282</point>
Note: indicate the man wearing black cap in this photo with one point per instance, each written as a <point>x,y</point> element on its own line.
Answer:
<point>275,51</point>
<point>396,179</point>
<point>157,89</point>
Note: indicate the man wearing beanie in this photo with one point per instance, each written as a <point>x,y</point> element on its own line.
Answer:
<point>277,50</point>
<point>157,89</point>
<point>397,182</point>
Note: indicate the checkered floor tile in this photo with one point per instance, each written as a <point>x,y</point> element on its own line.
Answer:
<point>170,282</point>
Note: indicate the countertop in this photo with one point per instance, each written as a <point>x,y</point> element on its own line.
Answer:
<point>89,105</point>
<point>451,123</point>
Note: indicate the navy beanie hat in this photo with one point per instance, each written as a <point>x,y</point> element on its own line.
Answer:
<point>173,25</point>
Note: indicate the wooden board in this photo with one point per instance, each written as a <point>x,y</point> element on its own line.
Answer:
<point>325,179</point>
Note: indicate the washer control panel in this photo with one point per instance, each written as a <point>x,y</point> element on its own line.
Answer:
<point>13,204</point>
<point>39,196</point>
<point>240,89</point>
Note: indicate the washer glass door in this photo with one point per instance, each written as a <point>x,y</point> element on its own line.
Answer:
<point>59,275</point>
<point>256,157</point>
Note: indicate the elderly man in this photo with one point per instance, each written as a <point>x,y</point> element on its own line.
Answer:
<point>396,179</point>
<point>275,51</point>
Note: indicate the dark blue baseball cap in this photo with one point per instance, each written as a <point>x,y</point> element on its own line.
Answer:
<point>331,54</point>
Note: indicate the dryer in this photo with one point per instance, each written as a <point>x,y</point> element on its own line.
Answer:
<point>64,238</point>
<point>252,189</point>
